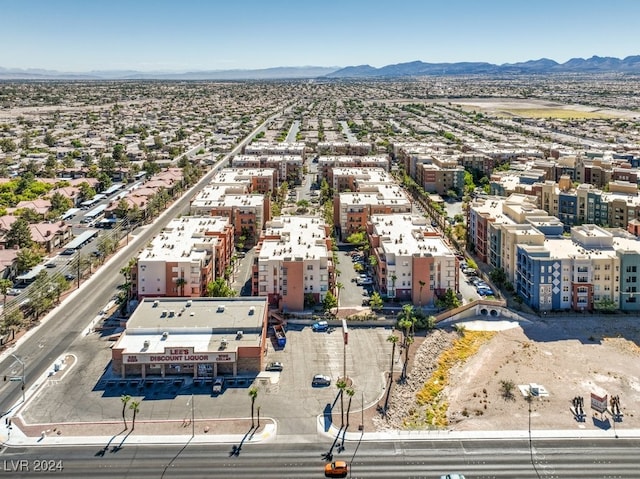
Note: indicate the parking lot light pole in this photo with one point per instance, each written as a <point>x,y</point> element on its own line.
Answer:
<point>22,364</point>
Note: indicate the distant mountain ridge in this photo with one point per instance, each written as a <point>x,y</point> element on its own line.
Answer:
<point>595,64</point>
<point>276,73</point>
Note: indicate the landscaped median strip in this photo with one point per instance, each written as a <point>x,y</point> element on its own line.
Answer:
<point>432,407</point>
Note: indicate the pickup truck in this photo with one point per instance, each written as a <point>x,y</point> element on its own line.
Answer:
<point>218,385</point>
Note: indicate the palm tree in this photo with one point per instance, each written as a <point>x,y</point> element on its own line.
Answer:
<point>339,287</point>
<point>253,394</point>
<point>393,339</point>
<point>393,284</point>
<point>180,283</point>
<point>408,343</point>
<point>350,392</point>
<point>421,283</point>
<point>134,406</point>
<point>125,398</point>
<point>341,384</point>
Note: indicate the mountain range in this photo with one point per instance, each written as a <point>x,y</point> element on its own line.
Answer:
<point>543,66</point>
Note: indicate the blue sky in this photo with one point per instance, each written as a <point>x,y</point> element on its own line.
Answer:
<point>180,35</point>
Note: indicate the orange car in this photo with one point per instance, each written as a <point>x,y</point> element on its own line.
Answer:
<point>336,469</point>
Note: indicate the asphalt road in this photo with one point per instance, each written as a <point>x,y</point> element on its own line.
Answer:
<point>577,458</point>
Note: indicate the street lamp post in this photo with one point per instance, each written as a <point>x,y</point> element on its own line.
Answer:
<point>193,426</point>
<point>22,377</point>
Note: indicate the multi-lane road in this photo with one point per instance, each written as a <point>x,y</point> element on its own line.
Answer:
<point>577,458</point>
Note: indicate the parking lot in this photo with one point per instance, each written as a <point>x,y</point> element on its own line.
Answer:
<point>89,391</point>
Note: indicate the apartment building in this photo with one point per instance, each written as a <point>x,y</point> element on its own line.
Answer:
<point>287,167</point>
<point>490,211</point>
<point>293,265</point>
<point>342,148</point>
<point>351,211</point>
<point>440,178</point>
<point>343,179</point>
<point>257,180</point>
<point>263,148</point>
<point>412,261</point>
<point>327,163</point>
<point>247,212</point>
<point>595,266</point>
<point>189,253</point>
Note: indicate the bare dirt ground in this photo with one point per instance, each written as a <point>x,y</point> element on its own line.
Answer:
<point>569,357</point>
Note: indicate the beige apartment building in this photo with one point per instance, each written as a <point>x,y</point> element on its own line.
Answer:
<point>247,212</point>
<point>189,253</point>
<point>294,262</point>
<point>412,261</point>
<point>351,211</point>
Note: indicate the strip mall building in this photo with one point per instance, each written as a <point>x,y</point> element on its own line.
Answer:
<point>199,337</point>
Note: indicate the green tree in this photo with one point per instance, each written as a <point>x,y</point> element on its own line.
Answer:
<point>27,258</point>
<point>180,284</point>
<point>341,385</point>
<point>122,210</point>
<point>498,276</point>
<point>253,394</point>
<point>135,407</point>
<point>19,234</point>
<point>49,139</point>
<point>5,286</point>
<point>125,398</point>
<point>86,191</point>
<point>118,152</point>
<point>350,392</point>
<point>375,302</point>
<point>59,204</point>
<point>329,302</point>
<point>220,289</point>
<point>356,238</point>
<point>393,339</point>
<point>422,285</point>
<point>448,300</point>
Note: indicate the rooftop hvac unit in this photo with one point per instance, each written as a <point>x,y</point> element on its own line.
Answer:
<point>239,334</point>
<point>252,310</point>
<point>189,303</point>
<point>146,343</point>
<point>156,303</point>
<point>165,335</point>
<point>172,313</point>
<point>164,313</point>
<point>220,308</point>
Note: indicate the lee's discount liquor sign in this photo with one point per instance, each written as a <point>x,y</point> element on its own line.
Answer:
<point>178,356</point>
<point>599,403</point>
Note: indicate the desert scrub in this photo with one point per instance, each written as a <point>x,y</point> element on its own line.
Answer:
<point>430,396</point>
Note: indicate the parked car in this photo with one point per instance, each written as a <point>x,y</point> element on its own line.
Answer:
<point>452,476</point>
<point>14,292</point>
<point>485,292</point>
<point>50,265</point>
<point>274,366</point>
<point>69,277</point>
<point>476,281</point>
<point>321,380</point>
<point>320,326</point>
<point>337,469</point>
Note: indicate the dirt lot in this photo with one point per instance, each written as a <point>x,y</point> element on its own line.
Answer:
<point>569,357</point>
